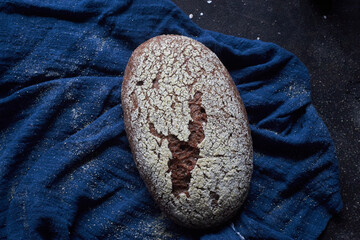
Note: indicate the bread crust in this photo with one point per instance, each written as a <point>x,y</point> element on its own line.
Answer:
<point>188,130</point>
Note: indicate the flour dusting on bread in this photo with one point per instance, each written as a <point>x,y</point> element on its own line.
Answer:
<point>188,130</point>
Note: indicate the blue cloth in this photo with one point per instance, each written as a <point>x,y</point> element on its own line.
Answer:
<point>66,170</point>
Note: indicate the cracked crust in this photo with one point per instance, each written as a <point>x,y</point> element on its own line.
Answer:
<point>188,130</point>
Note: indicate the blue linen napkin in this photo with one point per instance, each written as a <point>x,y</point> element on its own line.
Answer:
<point>66,170</point>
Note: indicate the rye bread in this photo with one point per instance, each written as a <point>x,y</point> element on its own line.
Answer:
<point>188,130</point>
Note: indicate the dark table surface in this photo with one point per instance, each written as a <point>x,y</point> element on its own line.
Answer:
<point>325,35</point>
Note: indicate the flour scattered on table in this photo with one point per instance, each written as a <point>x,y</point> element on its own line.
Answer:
<point>201,14</point>
<point>191,15</point>
<point>258,38</point>
<point>325,17</point>
<point>209,1</point>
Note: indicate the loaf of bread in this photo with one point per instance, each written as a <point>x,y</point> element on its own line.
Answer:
<point>188,130</point>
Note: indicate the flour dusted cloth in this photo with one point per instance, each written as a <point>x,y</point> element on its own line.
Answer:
<point>66,171</point>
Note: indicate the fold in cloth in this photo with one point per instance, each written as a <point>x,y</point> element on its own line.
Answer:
<point>66,170</point>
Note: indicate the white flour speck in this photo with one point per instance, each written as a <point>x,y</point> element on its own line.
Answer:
<point>325,17</point>
<point>209,1</point>
<point>258,38</point>
<point>75,113</point>
<point>191,15</point>
<point>201,14</point>
<point>237,233</point>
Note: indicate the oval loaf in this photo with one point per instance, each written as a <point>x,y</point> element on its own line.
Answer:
<point>188,130</point>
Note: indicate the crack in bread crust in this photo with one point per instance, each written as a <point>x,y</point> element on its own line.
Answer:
<point>185,154</point>
<point>188,130</point>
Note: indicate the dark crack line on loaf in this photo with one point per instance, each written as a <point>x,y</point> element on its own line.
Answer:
<point>185,154</point>
<point>214,198</point>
